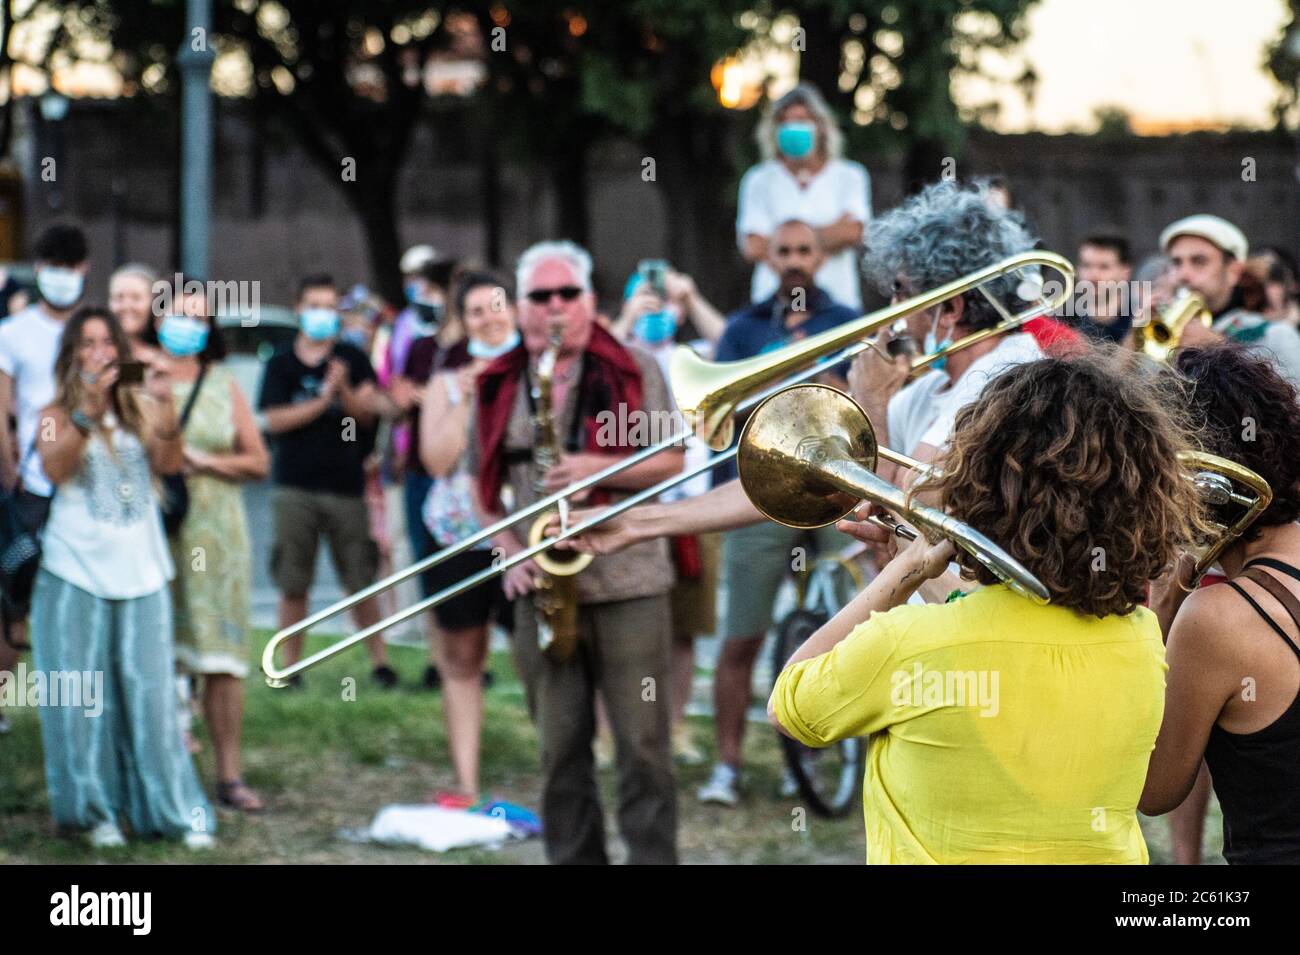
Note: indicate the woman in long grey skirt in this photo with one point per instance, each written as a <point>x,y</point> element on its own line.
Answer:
<point>101,607</point>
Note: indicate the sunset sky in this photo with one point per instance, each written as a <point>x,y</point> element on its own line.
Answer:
<point>1164,61</point>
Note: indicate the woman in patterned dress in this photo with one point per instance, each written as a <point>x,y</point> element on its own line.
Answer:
<point>213,556</point>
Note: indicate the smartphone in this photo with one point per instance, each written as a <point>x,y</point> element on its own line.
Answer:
<point>131,372</point>
<point>654,273</point>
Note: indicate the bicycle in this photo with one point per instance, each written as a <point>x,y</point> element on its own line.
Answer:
<point>830,779</point>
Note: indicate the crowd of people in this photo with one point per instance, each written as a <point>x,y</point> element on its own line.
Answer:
<point>132,437</point>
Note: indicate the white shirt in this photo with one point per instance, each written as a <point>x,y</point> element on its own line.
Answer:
<point>29,343</point>
<point>925,411</point>
<point>105,532</point>
<point>770,195</point>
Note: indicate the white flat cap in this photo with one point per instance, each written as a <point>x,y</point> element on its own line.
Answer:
<point>1211,228</point>
<point>416,258</point>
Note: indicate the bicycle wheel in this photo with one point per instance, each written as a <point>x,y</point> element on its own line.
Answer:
<point>830,779</point>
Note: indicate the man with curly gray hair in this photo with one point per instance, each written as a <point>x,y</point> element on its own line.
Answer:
<point>940,234</point>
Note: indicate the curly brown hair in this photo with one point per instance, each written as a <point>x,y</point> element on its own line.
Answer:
<point>1071,464</point>
<point>1249,414</point>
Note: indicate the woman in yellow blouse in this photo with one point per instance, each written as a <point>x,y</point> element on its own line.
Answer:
<point>1004,731</point>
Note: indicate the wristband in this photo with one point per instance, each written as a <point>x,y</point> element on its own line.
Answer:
<point>83,422</point>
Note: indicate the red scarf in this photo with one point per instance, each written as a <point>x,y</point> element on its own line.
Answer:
<point>610,379</point>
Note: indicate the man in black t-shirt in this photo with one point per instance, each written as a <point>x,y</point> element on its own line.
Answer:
<point>321,404</point>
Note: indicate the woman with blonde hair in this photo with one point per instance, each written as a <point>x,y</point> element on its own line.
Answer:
<point>101,606</point>
<point>803,177</point>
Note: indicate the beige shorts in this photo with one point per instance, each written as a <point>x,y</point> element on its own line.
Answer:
<point>302,518</point>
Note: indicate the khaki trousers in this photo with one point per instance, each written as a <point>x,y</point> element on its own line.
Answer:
<point>623,652</point>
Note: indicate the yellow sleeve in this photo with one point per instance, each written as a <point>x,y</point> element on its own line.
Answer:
<point>842,693</point>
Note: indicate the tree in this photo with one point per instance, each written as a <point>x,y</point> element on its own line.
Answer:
<point>332,71</point>
<point>893,62</point>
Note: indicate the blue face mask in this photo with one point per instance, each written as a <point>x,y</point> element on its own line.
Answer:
<point>356,337</point>
<point>655,328</point>
<point>182,336</point>
<point>412,290</point>
<point>319,324</point>
<point>483,350</point>
<point>796,138</point>
<point>932,345</point>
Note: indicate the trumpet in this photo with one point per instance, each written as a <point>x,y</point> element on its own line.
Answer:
<point>1164,330</point>
<point>807,457</point>
<point>707,395</point>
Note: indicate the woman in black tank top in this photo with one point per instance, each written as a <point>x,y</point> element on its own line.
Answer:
<point>1233,689</point>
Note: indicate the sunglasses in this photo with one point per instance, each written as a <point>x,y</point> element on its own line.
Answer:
<point>567,293</point>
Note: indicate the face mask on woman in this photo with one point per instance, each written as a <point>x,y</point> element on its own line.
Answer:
<point>59,286</point>
<point>182,335</point>
<point>319,324</point>
<point>655,328</point>
<point>797,138</point>
<point>483,350</point>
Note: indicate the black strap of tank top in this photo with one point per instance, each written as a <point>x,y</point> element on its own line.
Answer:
<point>1280,594</point>
<point>1285,568</point>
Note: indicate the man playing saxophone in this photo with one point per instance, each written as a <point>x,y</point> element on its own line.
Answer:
<point>622,615</point>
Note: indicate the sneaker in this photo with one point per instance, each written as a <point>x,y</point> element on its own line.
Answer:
<point>789,787</point>
<point>604,751</point>
<point>198,841</point>
<point>723,787</point>
<point>385,676</point>
<point>106,835</point>
<point>446,799</point>
<point>432,678</point>
<point>684,749</point>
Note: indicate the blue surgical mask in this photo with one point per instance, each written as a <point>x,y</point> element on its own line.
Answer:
<point>59,286</point>
<point>181,335</point>
<point>932,345</point>
<point>655,328</point>
<point>319,324</point>
<point>797,138</point>
<point>483,350</point>
<point>412,290</point>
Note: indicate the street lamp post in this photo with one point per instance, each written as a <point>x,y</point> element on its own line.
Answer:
<point>194,59</point>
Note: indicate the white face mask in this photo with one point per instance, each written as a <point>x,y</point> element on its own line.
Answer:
<point>60,287</point>
<point>478,349</point>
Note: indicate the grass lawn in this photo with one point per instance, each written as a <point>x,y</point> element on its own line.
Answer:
<point>323,764</point>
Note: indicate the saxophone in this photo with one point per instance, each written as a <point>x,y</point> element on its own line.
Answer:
<point>556,597</point>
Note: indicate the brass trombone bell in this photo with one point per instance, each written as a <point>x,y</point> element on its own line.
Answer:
<point>807,458</point>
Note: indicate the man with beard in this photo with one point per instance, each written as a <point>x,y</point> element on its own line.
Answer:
<point>755,559</point>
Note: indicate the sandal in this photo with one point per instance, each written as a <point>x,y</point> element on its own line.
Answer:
<point>237,795</point>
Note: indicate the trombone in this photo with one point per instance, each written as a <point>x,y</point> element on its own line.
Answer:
<point>705,392</point>
<point>807,457</point>
<point>708,393</point>
<point>1214,477</point>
